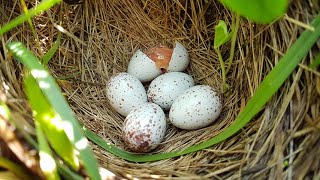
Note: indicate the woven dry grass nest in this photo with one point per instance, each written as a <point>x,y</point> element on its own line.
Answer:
<point>100,38</point>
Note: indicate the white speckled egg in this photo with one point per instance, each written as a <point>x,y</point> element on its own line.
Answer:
<point>144,128</point>
<point>179,59</point>
<point>142,67</point>
<point>164,89</point>
<point>196,108</point>
<point>125,92</point>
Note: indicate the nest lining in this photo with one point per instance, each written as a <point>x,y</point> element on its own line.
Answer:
<point>104,36</point>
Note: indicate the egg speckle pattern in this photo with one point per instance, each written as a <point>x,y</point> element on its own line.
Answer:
<point>164,89</point>
<point>142,67</point>
<point>196,108</point>
<point>144,127</point>
<point>125,92</point>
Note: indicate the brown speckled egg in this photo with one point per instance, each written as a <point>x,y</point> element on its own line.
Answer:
<point>125,92</point>
<point>144,127</point>
<point>164,89</point>
<point>196,108</point>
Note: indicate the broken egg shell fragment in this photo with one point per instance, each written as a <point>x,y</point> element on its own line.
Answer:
<point>179,59</point>
<point>125,92</point>
<point>144,128</point>
<point>161,56</point>
<point>142,67</point>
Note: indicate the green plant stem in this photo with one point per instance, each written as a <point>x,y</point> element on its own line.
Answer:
<point>223,70</point>
<point>26,11</point>
<point>234,29</point>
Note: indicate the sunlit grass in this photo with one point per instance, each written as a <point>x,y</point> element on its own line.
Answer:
<point>53,96</point>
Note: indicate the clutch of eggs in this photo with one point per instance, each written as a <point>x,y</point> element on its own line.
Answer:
<point>189,106</point>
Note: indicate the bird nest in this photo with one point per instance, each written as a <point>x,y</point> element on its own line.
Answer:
<point>100,37</point>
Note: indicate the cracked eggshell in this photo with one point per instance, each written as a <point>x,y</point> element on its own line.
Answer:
<point>196,108</point>
<point>125,92</point>
<point>164,89</point>
<point>144,127</point>
<point>179,59</point>
<point>142,67</point>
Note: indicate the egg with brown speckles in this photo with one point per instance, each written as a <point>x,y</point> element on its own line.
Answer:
<point>125,92</point>
<point>196,108</point>
<point>164,89</point>
<point>144,128</point>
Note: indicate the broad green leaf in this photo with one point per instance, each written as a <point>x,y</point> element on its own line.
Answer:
<point>50,122</point>
<point>42,6</point>
<point>272,82</point>
<point>221,35</point>
<point>48,56</point>
<point>54,96</point>
<point>260,11</point>
<point>47,163</point>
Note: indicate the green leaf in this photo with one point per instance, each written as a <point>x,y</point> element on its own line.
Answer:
<point>272,82</point>
<point>42,6</point>
<point>221,35</point>
<point>260,11</point>
<point>62,168</point>
<point>47,163</point>
<point>50,122</point>
<point>53,93</point>
<point>48,56</point>
<point>67,173</point>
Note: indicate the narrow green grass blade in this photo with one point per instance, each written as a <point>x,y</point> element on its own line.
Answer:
<point>47,163</point>
<point>48,56</point>
<point>44,5</point>
<point>53,93</point>
<point>67,173</point>
<point>62,168</point>
<point>50,122</point>
<point>14,168</point>
<point>26,11</point>
<point>316,62</point>
<point>267,88</point>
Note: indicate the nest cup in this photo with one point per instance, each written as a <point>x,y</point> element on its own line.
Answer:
<point>101,38</point>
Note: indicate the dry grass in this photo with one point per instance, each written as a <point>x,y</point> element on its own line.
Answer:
<point>103,35</point>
